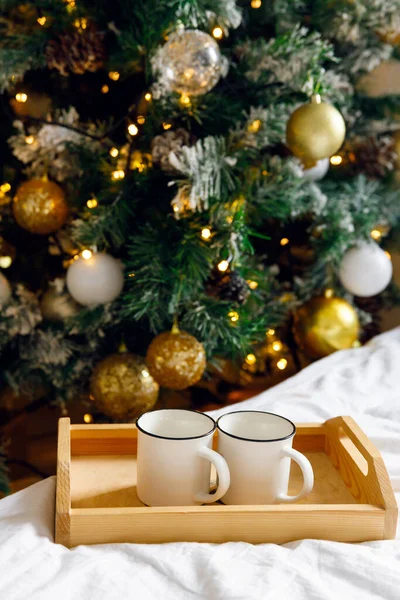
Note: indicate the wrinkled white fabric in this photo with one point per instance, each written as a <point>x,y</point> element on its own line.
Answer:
<point>363,383</point>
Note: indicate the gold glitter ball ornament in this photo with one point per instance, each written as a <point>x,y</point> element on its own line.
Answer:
<point>324,325</point>
<point>40,207</point>
<point>190,62</point>
<point>122,387</point>
<point>176,359</point>
<point>314,131</point>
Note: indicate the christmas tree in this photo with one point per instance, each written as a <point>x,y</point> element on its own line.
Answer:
<point>206,184</point>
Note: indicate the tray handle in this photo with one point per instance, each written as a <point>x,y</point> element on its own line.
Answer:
<point>362,468</point>
<point>349,430</point>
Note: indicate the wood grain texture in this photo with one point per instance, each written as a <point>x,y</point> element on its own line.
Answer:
<point>103,439</point>
<point>373,487</point>
<point>310,437</point>
<point>63,488</point>
<point>88,431</point>
<point>110,481</point>
<point>278,524</point>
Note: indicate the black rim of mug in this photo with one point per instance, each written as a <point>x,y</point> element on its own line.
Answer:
<point>263,412</point>
<point>165,437</point>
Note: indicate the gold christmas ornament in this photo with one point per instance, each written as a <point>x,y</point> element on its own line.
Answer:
<point>176,359</point>
<point>314,131</point>
<point>40,207</point>
<point>122,387</point>
<point>58,305</point>
<point>324,325</point>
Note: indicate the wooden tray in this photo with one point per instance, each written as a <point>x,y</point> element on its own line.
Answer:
<point>352,500</point>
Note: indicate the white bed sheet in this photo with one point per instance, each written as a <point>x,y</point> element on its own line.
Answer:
<point>363,383</point>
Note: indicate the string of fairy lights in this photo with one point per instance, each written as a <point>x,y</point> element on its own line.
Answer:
<point>119,173</point>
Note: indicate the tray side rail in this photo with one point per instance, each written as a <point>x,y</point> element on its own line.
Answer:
<point>63,484</point>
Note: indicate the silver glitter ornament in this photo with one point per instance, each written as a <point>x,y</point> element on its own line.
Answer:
<point>190,62</point>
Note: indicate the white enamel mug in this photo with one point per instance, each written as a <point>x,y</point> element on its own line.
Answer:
<point>174,459</point>
<point>257,446</point>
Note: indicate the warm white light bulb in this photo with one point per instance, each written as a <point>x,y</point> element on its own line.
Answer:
<point>132,129</point>
<point>21,97</point>
<point>217,33</point>
<point>251,359</point>
<point>234,316</point>
<point>376,234</point>
<point>118,174</point>
<point>223,265</point>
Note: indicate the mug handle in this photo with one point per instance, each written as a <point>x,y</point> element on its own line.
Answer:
<point>306,469</point>
<point>224,477</point>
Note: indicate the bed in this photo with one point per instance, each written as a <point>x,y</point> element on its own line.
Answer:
<point>363,382</point>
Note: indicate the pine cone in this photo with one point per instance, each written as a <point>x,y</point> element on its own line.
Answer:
<point>229,286</point>
<point>76,51</point>
<point>170,141</point>
<point>375,156</point>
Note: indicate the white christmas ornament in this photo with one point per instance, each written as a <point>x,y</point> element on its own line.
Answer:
<point>95,280</point>
<point>365,270</point>
<point>5,289</point>
<point>318,171</point>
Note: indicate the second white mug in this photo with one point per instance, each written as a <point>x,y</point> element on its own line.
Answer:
<point>257,446</point>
